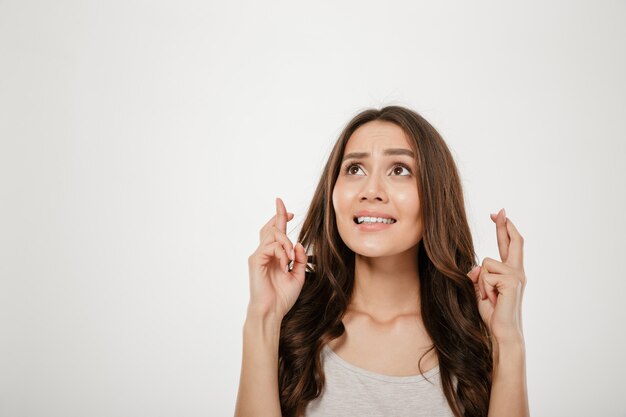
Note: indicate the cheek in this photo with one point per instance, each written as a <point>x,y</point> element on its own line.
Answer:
<point>337,203</point>
<point>339,197</point>
<point>343,199</point>
<point>409,201</point>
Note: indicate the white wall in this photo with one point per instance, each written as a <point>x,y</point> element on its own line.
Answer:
<point>142,145</point>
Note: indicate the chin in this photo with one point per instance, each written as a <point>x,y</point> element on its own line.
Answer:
<point>373,252</point>
<point>379,249</point>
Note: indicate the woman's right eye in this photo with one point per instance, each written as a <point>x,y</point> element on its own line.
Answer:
<point>352,169</point>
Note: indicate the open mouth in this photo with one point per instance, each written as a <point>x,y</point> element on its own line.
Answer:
<point>373,220</point>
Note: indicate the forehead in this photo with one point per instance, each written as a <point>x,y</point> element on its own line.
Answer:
<point>377,135</point>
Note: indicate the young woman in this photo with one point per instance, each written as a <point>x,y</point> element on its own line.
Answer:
<point>384,311</point>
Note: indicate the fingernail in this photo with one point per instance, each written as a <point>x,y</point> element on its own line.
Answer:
<point>293,255</point>
<point>503,213</point>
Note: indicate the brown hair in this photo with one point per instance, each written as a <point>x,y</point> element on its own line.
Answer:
<point>446,253</point>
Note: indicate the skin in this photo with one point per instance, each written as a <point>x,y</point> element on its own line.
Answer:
<point>384,330</point>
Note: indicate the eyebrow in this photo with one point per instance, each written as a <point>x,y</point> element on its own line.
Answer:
<point>392,151</point>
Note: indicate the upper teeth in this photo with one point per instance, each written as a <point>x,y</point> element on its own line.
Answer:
<point>374,220</point>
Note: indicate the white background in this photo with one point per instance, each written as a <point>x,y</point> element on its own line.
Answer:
<point>143,144</point>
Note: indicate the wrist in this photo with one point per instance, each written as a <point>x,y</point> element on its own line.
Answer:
<point>509,354</point>
<point>263,323</point>
<point>512,339</point>
<point>260,313</point>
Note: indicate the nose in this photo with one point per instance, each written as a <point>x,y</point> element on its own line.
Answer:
<point>373,190</point>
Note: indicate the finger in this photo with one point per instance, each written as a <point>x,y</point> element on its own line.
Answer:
<point>281,215</point>
<point>486,309</point>
<point>502,234</point>
<point>270,224</point>
<point>272,221</point>
<point>489,290</point>
<point>494,266</point>
<point>516,248</point>
<point>503,283</point>
<point>474,275</point>
<point>299,263</point>
<point>481,286</point>
<point>275,235</point>
<point>508,293</point>
<point>276,250</point>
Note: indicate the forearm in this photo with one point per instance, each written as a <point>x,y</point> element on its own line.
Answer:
<point>509,395</point>
<point>258,385</point>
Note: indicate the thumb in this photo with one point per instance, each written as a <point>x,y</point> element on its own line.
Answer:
<point>479,285</point>
<point>299,262</point>
<point>474,273</point>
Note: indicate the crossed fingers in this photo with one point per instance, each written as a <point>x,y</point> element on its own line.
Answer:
<point>510,246</point>
<point>275,230</point>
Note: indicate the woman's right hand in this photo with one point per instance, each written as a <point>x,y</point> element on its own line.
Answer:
<point>273,288</point>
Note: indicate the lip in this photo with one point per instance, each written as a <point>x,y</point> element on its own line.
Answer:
<point>367,213</point>
<point>373,227</point>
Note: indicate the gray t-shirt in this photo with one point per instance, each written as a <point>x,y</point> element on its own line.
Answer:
<point>353,391</point>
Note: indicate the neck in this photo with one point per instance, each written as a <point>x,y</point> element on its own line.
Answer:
<point>386,287</point>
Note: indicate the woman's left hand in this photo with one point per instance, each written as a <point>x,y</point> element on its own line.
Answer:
<point>500,285</point>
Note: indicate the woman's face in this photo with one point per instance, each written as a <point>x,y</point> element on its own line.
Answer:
<point>378,180</point>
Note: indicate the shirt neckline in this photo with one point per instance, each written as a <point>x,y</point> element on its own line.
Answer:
<point>374,375</point>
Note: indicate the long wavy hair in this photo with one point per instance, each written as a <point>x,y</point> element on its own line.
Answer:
<point>447,297</point>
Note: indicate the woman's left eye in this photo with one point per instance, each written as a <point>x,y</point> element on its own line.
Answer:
<point>398,170</point>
